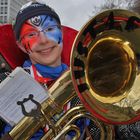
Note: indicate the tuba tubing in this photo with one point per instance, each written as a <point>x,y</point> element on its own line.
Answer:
<point>25,129</point>
<point>104,73</point>
<point>54,104</point>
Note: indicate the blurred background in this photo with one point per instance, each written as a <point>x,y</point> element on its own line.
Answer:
<point>73,13</point>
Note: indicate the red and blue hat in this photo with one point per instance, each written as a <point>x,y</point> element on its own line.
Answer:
<point>32,9</point>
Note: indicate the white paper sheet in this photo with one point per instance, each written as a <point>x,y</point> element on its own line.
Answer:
<point>17,86</point>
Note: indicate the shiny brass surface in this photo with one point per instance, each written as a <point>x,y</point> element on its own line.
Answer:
<point>54,105</point>
<point>51,106</point>
<point>114,63</point>
<point>68,119</point>
<point>105,66</point>
<point>104,74</point>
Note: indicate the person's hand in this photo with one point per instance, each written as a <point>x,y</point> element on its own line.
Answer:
<point>3,71</point>
<point>2,67</point>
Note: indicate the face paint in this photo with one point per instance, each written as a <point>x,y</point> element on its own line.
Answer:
<point>52,29</point>
<point>28,39</point>
<point>30,33</point>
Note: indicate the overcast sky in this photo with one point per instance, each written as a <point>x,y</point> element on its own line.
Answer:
<point>74,13</point>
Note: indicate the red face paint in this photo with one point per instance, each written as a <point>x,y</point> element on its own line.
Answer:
<point>28,36</point>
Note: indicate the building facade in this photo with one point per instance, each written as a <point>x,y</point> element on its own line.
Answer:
<point>9,9</point>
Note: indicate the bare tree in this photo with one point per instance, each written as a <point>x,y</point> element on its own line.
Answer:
<point>136,6</point>
<point>114,4</point>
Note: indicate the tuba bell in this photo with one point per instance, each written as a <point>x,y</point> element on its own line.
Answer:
<point>104,74</point>
<point>105,66</point>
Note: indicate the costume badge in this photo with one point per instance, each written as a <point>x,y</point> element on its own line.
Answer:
<point>36,20</point>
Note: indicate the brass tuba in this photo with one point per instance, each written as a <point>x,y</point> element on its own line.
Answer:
<point>104,74</point>
<point>61,92</point>
<point>105,66</point>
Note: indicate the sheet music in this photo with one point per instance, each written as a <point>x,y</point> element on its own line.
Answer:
<point>17,86</point>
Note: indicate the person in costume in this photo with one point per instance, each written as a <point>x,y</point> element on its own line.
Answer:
<point>38,33</point>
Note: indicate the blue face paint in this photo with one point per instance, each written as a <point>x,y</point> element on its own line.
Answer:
<point>49,26</point>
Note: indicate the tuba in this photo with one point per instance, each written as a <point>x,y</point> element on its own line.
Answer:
<point>105,66</point>
<point>104,74</point>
